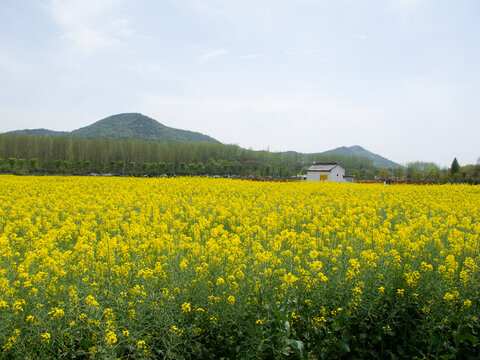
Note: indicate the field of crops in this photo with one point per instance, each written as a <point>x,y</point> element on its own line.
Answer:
<point>209,268</point>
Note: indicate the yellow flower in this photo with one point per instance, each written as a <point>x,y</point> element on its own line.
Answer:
<point>289,279</point>
<point>56,312</point>
<point>186,307</point>
<point>110,337</point>
<point>176,330</point>
<point>45,337</point>
<point>451,296</point>
<point>231,300</point>
<point>4,304</point>
<point>90,301</point>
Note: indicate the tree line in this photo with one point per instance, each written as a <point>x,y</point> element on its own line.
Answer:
<point>23,154</point>
<point>62,154</point>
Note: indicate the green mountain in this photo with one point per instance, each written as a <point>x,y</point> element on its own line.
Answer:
<point>126,126</point>
<point>137,126</point>
<point>357,150</point>
<point>37,132</point>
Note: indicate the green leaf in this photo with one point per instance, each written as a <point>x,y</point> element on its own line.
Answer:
<point>470,337</point>
<point>344,346</point>
<point>297,345</point>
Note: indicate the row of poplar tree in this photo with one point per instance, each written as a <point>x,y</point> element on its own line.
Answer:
<point>62,154</point>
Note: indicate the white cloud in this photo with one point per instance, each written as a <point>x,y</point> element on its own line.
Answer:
<point>88,26</point>
<point>213,54</point>
<point>361,37</point>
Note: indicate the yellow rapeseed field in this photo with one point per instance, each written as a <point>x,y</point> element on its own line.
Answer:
<point>205,268</point>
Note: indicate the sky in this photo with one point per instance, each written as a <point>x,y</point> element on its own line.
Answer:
<point>399,77</point>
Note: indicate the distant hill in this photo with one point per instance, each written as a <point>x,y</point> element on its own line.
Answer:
<point>137,126</point>
<point>37,132</point>
<point>357,150</point>
<point>127,126</point>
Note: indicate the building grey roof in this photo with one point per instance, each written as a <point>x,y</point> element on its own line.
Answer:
<point>323,167</point>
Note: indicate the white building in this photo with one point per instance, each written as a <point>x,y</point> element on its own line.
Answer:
<point>326,172</point>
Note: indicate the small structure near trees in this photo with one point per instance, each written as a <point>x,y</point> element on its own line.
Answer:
<point>326,172</point>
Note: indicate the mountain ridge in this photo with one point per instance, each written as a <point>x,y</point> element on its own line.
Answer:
<point>125,126</point>
<point>357,150</point>
<point>137,126</point>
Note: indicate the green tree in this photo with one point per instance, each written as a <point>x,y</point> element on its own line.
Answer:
<point>68,165</point>
<point>121,166</point>
<point>417,176</point>
<point>399,173</point>
<point>171,168</point>
<point>57,163</point>
<point>455,168</point>
<point>384,174</point>
<point>33,164</point>
<point>182,169</point>
<point>152,169</point>
<point>356,176</point>
<point>192,168</point>
<point>433,174</point>
<point>132,167</point>
<point>144,168</point>
<point>100,166</point>
<point>211,167</point>
<point>11,162</point>
<point>200,168</point>
<point>162,168</point>
<point>79,166</point>
<point>112,167</point>
<point>21,164</point>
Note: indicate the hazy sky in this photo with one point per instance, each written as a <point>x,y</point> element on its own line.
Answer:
<point>398,77</point>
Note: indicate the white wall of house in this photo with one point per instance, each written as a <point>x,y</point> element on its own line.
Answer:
<point>336,174</point>
<point>315,175</point>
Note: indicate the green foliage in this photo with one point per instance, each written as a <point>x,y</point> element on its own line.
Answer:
<point>198,158</point>
<point>121,166</point>
<point>384,174</point>
<point>11,162</point>
<point>399,173</point>
<point>137,126</point>
<point>68,165</point>
<point>356,176</point>
<point>455,168</point>
<point>58,164</point>
<point>423,168</point>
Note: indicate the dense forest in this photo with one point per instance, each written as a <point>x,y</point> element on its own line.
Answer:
<point>62,154</point>
<point>24,154</point>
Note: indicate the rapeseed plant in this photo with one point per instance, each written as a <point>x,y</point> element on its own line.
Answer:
<point>176,268</point>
